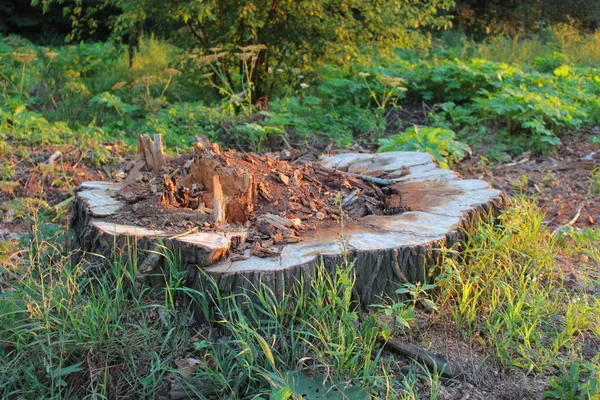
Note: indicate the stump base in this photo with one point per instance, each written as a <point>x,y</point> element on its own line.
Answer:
<point>387,250</point>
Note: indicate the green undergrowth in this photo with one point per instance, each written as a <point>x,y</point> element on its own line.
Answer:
<point>509,288</point>
<point>505,101</point>
<point>81,330</point>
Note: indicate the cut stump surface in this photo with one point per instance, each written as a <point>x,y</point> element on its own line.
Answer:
<point>387,250</point>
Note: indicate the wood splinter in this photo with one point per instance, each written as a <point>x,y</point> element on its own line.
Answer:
<point>218,201</point>
<point>575,217</point>
<point>53,157</point>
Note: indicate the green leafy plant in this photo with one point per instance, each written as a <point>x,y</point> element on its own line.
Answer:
<point>113,101</point>
<point>419,293</point>
<point>296,385</point>
<point>573,386</point>
<point>438,142</point>
<point>258,134</point>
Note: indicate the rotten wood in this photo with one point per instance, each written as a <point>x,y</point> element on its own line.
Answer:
<point>135,174</point>
<point>259,251</point>
<point>285,225</point>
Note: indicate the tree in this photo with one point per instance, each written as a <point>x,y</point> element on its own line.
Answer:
<point>493,16</point>
<point>294,31</point>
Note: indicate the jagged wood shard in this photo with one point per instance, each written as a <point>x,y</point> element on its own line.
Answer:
<point>151,151</point>
<point>386,249</point>
<point>218,201</point>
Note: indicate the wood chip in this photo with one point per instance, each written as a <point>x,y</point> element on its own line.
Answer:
<point>284,179</point>
<point>264,192</point>
<point>259,251</point>
<point>279,223</point>
<point>53,157</point>
<point>238,257</point>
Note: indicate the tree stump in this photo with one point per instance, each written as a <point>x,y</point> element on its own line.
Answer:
<point>273,223</point>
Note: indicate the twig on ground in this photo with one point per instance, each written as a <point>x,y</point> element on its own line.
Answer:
<point>53,157</point>
<point>430,360</point>
<point>575,217</point>
<point>372,179</point>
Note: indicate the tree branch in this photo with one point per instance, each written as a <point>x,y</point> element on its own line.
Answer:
<point>274,6</point>
<point>200,38</point>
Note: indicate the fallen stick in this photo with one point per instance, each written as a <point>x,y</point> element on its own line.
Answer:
<point>575,217</point>
<point>53,157</point>
<point>430,360</point>
<point>193,230</point>
<point>372,179</point>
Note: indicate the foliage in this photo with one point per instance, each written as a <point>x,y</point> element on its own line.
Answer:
<point>167,90</point>
<point>295,34</point>
<point>526,109</point>
<point>569,385</point>
<point>298,385</point>
<point>309,117</point>
<point>438,142</point>
<point>495,16</point>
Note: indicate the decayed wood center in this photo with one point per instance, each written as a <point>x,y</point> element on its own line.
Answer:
<point>246,219</point>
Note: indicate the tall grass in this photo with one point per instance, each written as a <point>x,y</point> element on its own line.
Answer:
<point>86,330</point>
<point>508,286</point>
<point>73,330</point>
<point>315,328</point>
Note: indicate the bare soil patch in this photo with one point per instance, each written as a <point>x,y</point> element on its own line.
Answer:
<point>560,182</point>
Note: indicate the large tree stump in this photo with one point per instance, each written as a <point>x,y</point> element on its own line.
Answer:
<point>387,250</point>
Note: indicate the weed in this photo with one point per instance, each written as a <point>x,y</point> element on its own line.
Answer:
<point>595,184</point>
<point>569,384</point>
<point>438,142</point>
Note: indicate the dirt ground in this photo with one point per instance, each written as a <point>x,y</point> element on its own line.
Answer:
<point>561,183</point>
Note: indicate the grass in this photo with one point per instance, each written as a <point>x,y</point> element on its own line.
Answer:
<point>565,40</point>
<point>83,330</point>
<point>508,287</point>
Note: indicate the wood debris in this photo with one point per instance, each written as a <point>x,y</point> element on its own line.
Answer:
<point>151,152</point>
<point>274,201</point>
